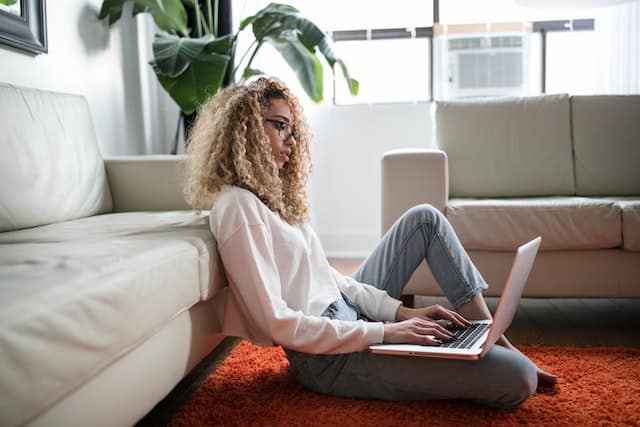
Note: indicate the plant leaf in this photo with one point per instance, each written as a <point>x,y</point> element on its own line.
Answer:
<point>8,2</point>
<point>353,84</point>
<point>111,10</point>
<point>282,24</point>
<point>189,69</point>
<point>169,15</point>
<point>272,8</point>
<point>250,72</point>
<point>222,45</point>
<point>173,54</point>
<point>327,51</point>
<point>195,85</point>
<point>306,65</point>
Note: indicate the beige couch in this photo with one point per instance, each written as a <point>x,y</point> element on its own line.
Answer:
<point>506,170</point>
<point>106,276</point>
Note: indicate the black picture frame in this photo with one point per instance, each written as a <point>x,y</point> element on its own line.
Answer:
<point>27,32</point>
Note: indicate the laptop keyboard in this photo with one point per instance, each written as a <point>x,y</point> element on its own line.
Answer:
<point>465,338</point>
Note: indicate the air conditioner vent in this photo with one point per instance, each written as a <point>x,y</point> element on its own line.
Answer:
<point>506,41</point>
<point>487,64</point>
<point>490,70</point>
<point>475,43</point>
<point>467,43</point>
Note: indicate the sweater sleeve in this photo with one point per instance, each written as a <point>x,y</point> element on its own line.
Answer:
<point>254,281</point>
<point>374,302</point>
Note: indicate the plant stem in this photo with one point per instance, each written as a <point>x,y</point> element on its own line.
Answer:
<point>253,55</point>
<point>202,24</point>
<point>208,18</point>
<point>198,19</point>
<point>214,22</point>
<point>235,69</point>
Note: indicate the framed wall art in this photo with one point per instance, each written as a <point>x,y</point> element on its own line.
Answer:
<point>23,25</point>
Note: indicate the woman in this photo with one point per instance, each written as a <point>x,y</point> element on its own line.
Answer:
<point>249,161</point>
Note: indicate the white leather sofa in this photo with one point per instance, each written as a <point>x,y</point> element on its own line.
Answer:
<point>506,170</point>
<point>107,277</point>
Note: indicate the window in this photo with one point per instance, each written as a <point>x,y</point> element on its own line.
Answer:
<point>389,70</point>
<point>494,47</point>
<point>380,41</point>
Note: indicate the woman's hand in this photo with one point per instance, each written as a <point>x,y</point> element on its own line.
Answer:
<point>433,312</point>
<point>416,331</point>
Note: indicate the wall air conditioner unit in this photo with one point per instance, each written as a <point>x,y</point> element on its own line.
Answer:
<point>481,60</point>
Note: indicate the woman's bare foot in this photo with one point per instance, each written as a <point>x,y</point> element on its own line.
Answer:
<point>477,308</point>
<point>546,378</point>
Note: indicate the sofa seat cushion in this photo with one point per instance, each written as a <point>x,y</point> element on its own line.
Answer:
<point>565,223</point>
<point>183,226</point>
<point>78,295</point>
<point>630,207</point>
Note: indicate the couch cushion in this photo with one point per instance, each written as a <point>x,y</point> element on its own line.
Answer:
<point>507,147</point>
<point>565,223</point>
<point>630,207</point>
<point>51,168</point>
<point>78,295</point>
<point>182,226</point>
<point>606,138</point>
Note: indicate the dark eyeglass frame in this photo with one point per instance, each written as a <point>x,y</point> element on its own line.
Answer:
<point>281,125</point>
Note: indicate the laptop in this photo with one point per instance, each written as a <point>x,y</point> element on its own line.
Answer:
<point>473,343</point>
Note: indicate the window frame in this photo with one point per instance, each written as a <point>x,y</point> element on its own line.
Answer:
<point>542,27</point>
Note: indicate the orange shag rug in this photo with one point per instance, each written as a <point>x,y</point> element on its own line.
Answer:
<point>252,386</point>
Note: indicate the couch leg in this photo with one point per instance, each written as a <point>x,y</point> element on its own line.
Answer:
<point>408,300</point>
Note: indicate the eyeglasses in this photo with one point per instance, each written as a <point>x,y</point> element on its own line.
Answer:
<point>285,130</point>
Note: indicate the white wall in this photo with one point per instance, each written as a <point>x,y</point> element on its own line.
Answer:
<point>346,180</point>
<point>85,57</point>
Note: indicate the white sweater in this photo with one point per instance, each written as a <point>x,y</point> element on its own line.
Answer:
<point>280,282</point>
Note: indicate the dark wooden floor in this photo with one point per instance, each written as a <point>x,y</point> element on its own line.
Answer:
<point>566,322</point>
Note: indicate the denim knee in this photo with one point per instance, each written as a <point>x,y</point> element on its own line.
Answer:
<point>424,213</point>
<point>521,383</point>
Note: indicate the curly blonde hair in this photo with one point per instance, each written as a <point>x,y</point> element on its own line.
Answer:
<point>228,145</point>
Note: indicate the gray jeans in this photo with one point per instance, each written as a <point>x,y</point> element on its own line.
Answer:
<point>503,378</point>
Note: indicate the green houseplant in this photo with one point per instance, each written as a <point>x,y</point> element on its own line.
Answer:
<point>191,63</point>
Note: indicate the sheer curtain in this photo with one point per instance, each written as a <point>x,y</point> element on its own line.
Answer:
<point>619,48</point>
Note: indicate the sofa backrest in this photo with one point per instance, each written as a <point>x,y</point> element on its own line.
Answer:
<point>507,147</point>
<point>606,142</point>
<point>51,169</point>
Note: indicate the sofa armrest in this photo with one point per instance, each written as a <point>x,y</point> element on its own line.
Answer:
<point>411,177</point>
<point>146,183</point>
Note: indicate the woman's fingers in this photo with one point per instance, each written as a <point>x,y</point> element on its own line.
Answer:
<point>439,312</point>
<point>458,319</point>
<point>416,331</point>
<point>426,327</point>
<point>428,340</point>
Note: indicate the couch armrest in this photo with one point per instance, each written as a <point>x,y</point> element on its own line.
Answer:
<point>146,183</point>
<point>411,177</point>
